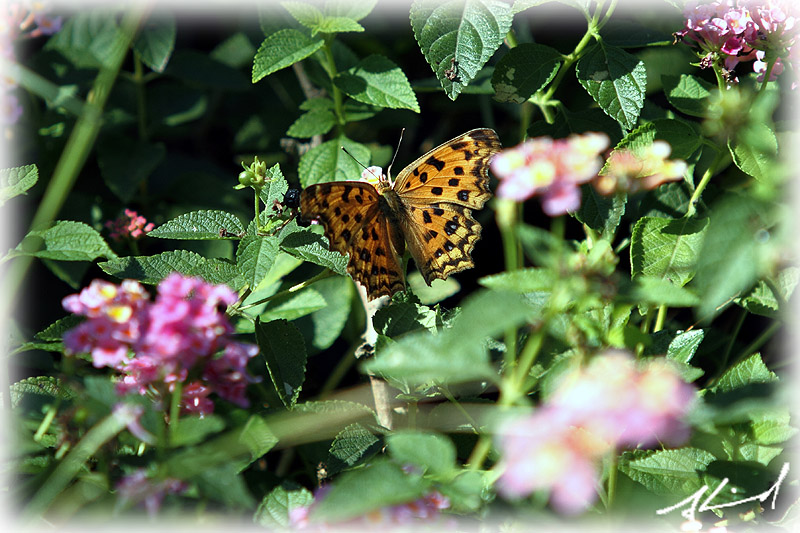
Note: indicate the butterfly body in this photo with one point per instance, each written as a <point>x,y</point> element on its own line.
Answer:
<point>428,208</point>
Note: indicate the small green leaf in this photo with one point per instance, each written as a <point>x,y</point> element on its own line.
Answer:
<point>400,318</point>
<point>689,94</point>
<point>310,246</point>
<point>65,241</point>
<point>198,225</point>
<point>438,290</point>
<point>616,80</point>
<point>755,160</point>
<point>521,280</point>
<point>282,49</point>
<point>236,51</point>
<point>255,256</point>
<point>683,137</point>
<point>337,25</point>
<point>304,13</point>
<point>762,301</point>
<point>358,492</point>
<point>194,429</point>
<point>525,69</point>
<point>55,331</point>
<point>751,370</point>
<point>291,306</point>
<point>674,472</point>
<point>601,213</point>
<point>152,269</point>
<point>48,386</point>
<point>156,40</point>
<point>89,39</point>
<point>312,123</point>
<point>125,164</point>
<point>16,181</point>
<point>683,347</point>
<point>347,8</point>
<point>352,443</point>
<point>434,453</point>
<point>378,81</point>
<point>660,291</point>
<point>328,162</point>
<point>459,36</point>
<point>273,511</point>
<point>282,346</point>
<point>667,248</point>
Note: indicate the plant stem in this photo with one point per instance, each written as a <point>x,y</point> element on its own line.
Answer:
<point>175,410</point>
<point>322,275</point>
<point>141,105</point>
<point>330,68</point>
<point>42,87</point>
<point>660,318</point>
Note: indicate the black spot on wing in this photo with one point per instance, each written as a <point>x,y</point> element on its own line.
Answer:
<point>438,163</point>
<point>437,191</point>
<point>453,182</point>
<point>426,217</point>
<point>463,195</point>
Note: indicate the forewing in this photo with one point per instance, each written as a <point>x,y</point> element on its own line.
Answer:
<point>355,225</point>
<point>455,172</point>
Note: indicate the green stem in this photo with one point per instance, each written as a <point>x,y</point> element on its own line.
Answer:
<point>42,87</point>
<point>733,335</point>
<point>175,411</point>
<point>52,410</point>
<point>767,74</point>
<point>330,67</point>
<point>76,150</point>
<point>344,364</point>
<point>256,208</point>
<point>322,275</point>
<point>141,104</point>
<point>612,481</point>
<point>698,191</point>
<point>660,318</point>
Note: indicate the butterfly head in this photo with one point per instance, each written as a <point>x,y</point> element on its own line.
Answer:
<point>374,176</point>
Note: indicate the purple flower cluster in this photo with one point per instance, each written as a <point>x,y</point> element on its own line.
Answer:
<point>129,225</point>
<point>426,509</point>
<point>611,403</point>
<point>735,32</point>
<point>183,332</point>
<point>552,169</point>
<point>20,20</point>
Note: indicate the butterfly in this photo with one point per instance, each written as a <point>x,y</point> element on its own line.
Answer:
<point>428,207</point>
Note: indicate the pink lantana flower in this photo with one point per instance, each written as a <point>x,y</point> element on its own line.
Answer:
<point>642,169</point>
<point>129,225</point>
<point>552,169</point>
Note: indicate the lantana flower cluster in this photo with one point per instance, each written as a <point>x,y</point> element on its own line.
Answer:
<point>156,344</point>
<point>20,20</point>
<point>129,225</point>
<point>735,32</point>
<point>427,509</point>
<point>614,402</point>
<point>550,168</point>
<point>639,169</point>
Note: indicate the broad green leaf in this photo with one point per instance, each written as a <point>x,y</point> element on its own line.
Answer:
<point>56,330</point>
<point>328,162</point>
<point>274,188</point>
<point>16,181</point>
<point>325,325</point>
<point>312,123</point>
<point>459,36</point>
<point>601,213</point>
<point>352,443</point>
<point>236,51</point>
<point>337,25</point>
<point>762,301</point>
<point>689,94</point>
<point>65,241</point>
<point>305,13</point>
<point>666,248</point>
<point>349,9</point>
<point>675,472</point>
<point>125,164</point>
<point>291,306</point>
<point>282,49</point>
<point>49,386</point>
<point>660,291</point>
<point>376,80</point>
<point>751,370</point>
<point>225,484</point>
<point>521,280</point>
<point>683,347</point>
<point>282,346</point>
<point>194,429</point>
<point>152,269</point>
<point>156,40</point>
<point>682,136</point>
<point>756,160</point>
<point>772,428</point>
<point>255,256</point>
<point>198,225</point>
<point>434,453</point>
<point>670,200</point>
<point>400,318</point>
<point>616,81</point>
<point>438,290</point>
<point>273,511</point>
<point>525,69</point>
<point>358,492</point>
<point>313,247</point>
<point>89,39</point>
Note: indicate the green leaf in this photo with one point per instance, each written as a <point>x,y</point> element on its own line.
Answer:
<point>378,81</point>
<point>675,472</point>
<point>56,330</point>
<point>434,453</point>
<point>313,247</point>
<point>438,290</point>
<point>325,325</point>
<point>152,269</point>
<point>16,181</point>
<point>616,80</point>
<point>225,484</point>
<point>337,25</point>
<point>156,40</point>
<point>198,225</point>
<point>683,347</point>
<point>521,280</point>
<point>89,39</point>
<point>682,136</point>
<point>282,49</point>
<point>273,511</point>
<point>274,188</point>
<point>349,9</point>
<point>459,35</point>
<point>352,443</point>
<point>660,291</point>
<point>194,429</point>
<point>328,162</point>
<point>751,370</point>
<point>125,164</point>
<point>755,160</point>
<point>65,241</point>
<point>236,51</point>
<point>525,69</point>
<point>312,123</point>
<point>601,213</point>
<point>255,256</point>
<point>666,248</point>
<point>761,300</point>
<point>291,306</point>
<point>400,318</point>
<point>772,428</point>
<point>689,94</point>
<point>358,492</point>
<point>284,350</point>
<point>49,386</point>
<point>304,13</point>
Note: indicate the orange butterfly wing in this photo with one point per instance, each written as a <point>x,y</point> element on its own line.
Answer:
<point>356,224</point>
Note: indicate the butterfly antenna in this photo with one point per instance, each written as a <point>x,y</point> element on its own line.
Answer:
<point>359,162</point>
<point>389,169</point>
